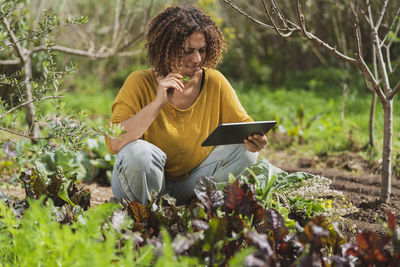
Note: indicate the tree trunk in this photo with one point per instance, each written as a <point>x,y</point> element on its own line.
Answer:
<point>30,108</point>
<point>387,151</point>
<point>372,120</point>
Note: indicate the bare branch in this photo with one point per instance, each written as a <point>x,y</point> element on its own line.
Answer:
<point>371,20</point>
<point>284,35</point>
<point>26,103</point>
<point>248,16</point>
<point>131,42</point>
<point>394,91</point>
<point>381,63</point>
<point>128,53</point>
<point>15,41</point>
<point>382,13</point>
<point>364,67</point>
<point>317,53</point>
<point>278,12</point>
<point>116,21</point>
<point>392,26</point>
<point>368,84</point>
<point>353,9</point>
<point>302,20</point>
<point>368,18</point>
<point>10,62</point>
<point>21,134</point>
<point>389,45</point>
<point>79,52</point>
<point>319,42</point>
<point>358,41</point>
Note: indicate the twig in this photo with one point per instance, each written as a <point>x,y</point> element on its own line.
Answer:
<point>17,143</point>
<point>302,20</point>
<point>248,16</point>
<point>278,12</point>
<point>15,41</point>
<point>318,55</point>
<point>381,63</point>
<point>26,103</point>
<point>364,67</point>
<point>392,25</point>
<point>10,62</point>
<point>319,42</point>
<point>21,134</point>
<point>284,35</point>
<point>382,13</point>
<point>353,10</point>
<point>394,91</point>
<point>368,18</point>
<point>388,47</point>
<point>80,52</point>
<point>131,42</point>
<point>116,21</point>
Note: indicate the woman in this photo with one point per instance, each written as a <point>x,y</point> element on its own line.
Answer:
<point>165,119</point>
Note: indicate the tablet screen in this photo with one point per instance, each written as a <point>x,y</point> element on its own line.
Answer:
<point>235,133</point>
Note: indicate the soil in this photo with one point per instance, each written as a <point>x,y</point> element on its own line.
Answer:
<point>352,175</point>
<point>349,173</point>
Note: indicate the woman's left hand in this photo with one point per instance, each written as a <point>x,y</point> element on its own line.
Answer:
<point>255,142</point>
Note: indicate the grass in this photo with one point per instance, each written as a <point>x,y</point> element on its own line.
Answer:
<point>328,133</point>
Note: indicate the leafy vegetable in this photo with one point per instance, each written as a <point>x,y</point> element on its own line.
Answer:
<point>185,79</point>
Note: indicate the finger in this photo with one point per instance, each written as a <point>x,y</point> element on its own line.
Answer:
<point>176,81</point>
<point>256,141</point>
<point>261,138</point>
<point>172,84</point>
<point>180,82</point>
<point>178,85</point>
<point>174,75</point>
<point>250,146</point>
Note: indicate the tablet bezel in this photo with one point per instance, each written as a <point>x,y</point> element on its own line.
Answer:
<point>235,133</point>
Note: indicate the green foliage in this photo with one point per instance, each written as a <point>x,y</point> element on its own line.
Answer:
<point>38,240</point>
<point>218,228</point>
<point>92,162</point>
<point>305,195</point>
<point>168,257</point>
<point>319,127</point>
<point>35,37</point>
<point>55,185</point>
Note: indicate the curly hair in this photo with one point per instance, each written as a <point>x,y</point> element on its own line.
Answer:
<point>168,31</point>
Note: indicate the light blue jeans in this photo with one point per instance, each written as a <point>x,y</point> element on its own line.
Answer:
<point>139,169</point>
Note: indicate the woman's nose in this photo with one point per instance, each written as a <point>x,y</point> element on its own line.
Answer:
<point>196,56</point>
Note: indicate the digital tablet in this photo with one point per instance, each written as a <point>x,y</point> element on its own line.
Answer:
<point>235,133</point>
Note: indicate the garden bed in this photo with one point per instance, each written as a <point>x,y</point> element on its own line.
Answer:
<point>351,175</point>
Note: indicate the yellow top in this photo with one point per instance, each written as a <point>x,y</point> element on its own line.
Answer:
<point>179,133</point>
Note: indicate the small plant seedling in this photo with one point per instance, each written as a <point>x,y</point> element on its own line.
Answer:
<point>185,79</point>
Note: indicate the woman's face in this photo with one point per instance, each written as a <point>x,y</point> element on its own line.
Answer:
<point>194,53</point>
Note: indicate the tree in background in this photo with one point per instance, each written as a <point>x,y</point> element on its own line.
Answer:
<point>381,22</point>
<point>20,43</point>
<point>25,40</point>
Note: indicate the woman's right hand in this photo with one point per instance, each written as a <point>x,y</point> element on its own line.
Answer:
<point>167,86</point>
